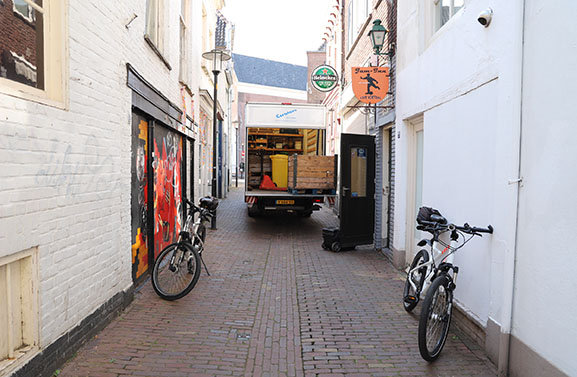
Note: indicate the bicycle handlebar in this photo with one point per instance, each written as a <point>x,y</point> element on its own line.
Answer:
<point>473,229</point>
<point>203,212</point>
<point>435,226</point>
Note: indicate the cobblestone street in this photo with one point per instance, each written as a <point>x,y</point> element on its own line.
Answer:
<point>276,304</point>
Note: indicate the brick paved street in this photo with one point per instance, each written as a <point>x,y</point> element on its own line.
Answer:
<point>276,304</point>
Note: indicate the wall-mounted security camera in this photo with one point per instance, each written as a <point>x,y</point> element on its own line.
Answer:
<point>485,17</point>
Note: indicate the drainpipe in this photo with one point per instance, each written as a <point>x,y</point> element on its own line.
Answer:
<point>511,259</point>
<point>378,237</point>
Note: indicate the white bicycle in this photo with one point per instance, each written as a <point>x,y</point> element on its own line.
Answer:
<point>430,276</point>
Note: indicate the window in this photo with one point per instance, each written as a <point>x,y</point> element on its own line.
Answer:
<point>24,9</point>
<point>358,172</point>
<point>22,57</point>
<point>184,41</point>
<point>32,50</point>
<point>445,9</point>
<point>18,307</point>
<point>154,24</point>
<point>358,12</point>
<point>362,13</point>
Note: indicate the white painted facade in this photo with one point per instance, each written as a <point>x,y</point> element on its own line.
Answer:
<point>543,316</point>
<point>473,89</point>
<point>65,182</point>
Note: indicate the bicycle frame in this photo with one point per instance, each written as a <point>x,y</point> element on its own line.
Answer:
<point>436,258</point>
<point>189,231</point>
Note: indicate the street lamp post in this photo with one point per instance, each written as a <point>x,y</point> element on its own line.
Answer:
<point>217,56</point>
<point>377,35</point>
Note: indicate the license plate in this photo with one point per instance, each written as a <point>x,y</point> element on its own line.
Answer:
<point>285,202</point>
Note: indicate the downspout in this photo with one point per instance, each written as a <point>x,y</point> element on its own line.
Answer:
<point>510,262</point>
<point>343,45</point>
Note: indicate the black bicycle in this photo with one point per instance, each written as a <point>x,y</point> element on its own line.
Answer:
<point>432,273</point>
<point>177,268</point>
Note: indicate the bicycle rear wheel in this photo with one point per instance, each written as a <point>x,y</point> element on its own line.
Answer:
<point>435,318</point>
<point>176,271</point>
<point>410,296</point>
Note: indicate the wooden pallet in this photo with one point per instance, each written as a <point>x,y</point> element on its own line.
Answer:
<point>311,172</point>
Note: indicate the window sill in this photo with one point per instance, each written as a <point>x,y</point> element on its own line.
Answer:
<point>24,92</point>
<point>157,51</point>
<point>186,87</point>
<point>22,356</point>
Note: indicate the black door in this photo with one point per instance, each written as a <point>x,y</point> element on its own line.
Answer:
<point>357,202</point>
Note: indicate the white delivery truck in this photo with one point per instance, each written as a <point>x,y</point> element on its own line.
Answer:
<point>286,167</point>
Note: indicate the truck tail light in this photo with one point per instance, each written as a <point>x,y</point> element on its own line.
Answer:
<point>319,200</point>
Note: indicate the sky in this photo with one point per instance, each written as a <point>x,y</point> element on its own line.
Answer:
<point>278,30</point>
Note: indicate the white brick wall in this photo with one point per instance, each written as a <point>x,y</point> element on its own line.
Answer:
<point>65,178</point>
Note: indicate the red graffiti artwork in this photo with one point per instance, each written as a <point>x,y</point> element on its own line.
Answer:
<point>167,190</point>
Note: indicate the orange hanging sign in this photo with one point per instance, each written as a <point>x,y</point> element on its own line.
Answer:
<point>370,84</point>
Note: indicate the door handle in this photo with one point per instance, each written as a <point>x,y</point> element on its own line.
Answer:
<point>345,189</point>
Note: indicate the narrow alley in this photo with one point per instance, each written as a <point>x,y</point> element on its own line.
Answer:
<point>276,304</point>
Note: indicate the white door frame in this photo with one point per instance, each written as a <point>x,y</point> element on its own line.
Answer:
<point>414,125</point>
<point>386,182</point>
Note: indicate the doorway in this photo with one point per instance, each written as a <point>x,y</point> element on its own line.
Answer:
<point>357,199</point>
<point>157,189</point>
<point>386,186</point>
<point>140,230</point>
<point>415,183</point>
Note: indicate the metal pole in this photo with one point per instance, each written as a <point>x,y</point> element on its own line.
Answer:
<point>214,139</point>
<point>378,182</point>
<point>237,159</point>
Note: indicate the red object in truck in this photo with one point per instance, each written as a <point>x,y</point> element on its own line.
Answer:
<point>268,184</point>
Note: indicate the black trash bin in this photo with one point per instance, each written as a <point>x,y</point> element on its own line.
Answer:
<point>331,239</point>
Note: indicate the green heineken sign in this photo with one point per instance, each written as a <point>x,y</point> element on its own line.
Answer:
<point>324,78</point>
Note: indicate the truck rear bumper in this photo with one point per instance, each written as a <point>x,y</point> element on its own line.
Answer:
<point>284,203</point>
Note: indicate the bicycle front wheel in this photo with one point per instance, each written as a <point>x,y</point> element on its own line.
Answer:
<point>176,271</point>
<point>410,296</point>
<point>435,318</point>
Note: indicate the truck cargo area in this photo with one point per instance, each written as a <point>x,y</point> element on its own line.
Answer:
<point>286,169</point>
<point>269,150</point>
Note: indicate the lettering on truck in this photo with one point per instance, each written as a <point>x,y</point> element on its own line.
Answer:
<point>278,116</point>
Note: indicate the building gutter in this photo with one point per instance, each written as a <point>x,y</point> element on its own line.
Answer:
<point>511,259</point>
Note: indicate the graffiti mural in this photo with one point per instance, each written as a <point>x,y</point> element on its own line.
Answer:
<point>167,166</point>
<point>139,200</point>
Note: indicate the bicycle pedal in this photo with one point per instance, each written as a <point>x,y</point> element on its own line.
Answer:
<point>410,299</point>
